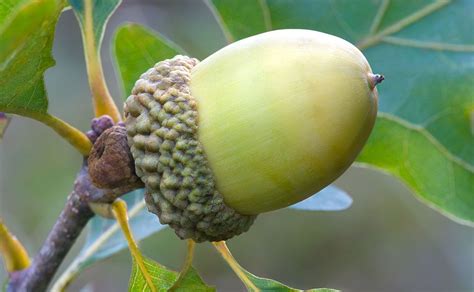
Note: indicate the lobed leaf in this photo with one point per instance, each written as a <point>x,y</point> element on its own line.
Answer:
<point>425,49</point>
<point>26,39</point>
<point>136,49</point>
<point>164,279</point>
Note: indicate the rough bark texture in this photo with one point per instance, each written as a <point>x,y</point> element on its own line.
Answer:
<point>112,175</point>
<point>64,233</point>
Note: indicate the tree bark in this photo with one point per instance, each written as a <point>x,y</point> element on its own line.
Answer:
<point>113,171</point>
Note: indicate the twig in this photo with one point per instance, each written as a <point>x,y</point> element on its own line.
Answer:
<point>64,233</point>
<point>108,154</point>
<point>67,228</point>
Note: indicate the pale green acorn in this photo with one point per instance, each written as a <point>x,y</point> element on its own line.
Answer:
<point>259,125</point>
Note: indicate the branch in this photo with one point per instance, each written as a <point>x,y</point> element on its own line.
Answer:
<point>77,211</point>
<point>67,228</point>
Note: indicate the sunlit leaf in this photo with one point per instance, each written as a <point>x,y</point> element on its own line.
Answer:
<point>163,279</point>
<point>425,49</point>
<point>136,49</point>
<point>330,198</point>
<point>26,38</point>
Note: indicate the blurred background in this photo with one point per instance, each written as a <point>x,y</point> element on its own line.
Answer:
<point>387,241</point>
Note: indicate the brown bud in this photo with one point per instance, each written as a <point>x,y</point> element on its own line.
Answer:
<point>111,164</point>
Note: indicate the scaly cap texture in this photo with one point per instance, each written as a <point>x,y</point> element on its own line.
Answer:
<point>161,122</point>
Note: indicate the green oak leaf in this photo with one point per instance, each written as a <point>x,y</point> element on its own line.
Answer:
<point>424,132</point>
<point>136,49</point>
<point>26,39</point>
<point>263,284</point>
<point>164,279</point>
<point>100,11</point>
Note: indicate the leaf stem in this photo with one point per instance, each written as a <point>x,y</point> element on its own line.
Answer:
<point>101,98</point>
<point>75,137</point>
<point>238,270</point>
<point>14,254</point>
<point>71,134</point>
<point>186,266</point>
<point>119,209</point>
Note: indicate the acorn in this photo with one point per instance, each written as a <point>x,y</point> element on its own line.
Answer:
<point>259,125</point>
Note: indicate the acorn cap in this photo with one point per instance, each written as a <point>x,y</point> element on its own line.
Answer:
<point>161,123</point>
<point>259,125</point>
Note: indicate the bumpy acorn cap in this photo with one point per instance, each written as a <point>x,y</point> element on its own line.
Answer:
<point>161,123</point>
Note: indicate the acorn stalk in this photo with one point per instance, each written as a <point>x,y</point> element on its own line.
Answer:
<point>259,125</point>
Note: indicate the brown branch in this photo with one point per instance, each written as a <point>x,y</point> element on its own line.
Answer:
<point>109,153</point>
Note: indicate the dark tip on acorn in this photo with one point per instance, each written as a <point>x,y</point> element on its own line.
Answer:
<point>378,78</point>
<point>375,79</point>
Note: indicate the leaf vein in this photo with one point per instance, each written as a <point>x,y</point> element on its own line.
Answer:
<point>403,23</point>
<point>342,23</point>
<point>379,16</point>
<point>438,46</point>
<point>225,29</point>
<point>267,17</point>
<point>430,137</point>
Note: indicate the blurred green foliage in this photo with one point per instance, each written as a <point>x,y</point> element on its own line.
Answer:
<point>386,234</point>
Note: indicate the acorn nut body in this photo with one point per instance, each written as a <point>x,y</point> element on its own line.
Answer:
<point>259,125</point>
